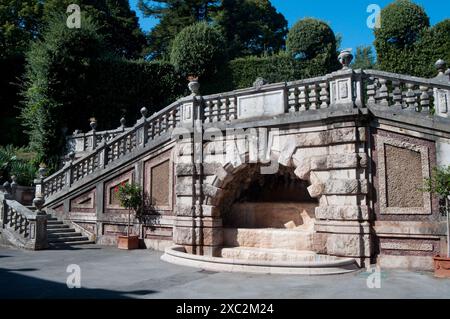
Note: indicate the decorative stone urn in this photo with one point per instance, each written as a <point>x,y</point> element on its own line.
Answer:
<point>345,58</point>
<point>194,85</point>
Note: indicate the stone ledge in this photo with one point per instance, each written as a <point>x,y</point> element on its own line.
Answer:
<point>406,228</point>
<point>335,265</point>
<point>406,262</point>
<point>345,187</point>
<point>357,213</point>
<point>338,161</point>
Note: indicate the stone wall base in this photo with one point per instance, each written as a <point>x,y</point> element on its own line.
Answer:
<point>406,262</point>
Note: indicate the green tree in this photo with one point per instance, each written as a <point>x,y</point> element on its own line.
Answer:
<point>311,40</point>
<point>406,43</point>
<point>251,27</point>
<point>198,50</point>
<point>173,16</point>
<point>117,23</point>
<point>364,58</point>
<point>57,84</point>
<point>20,21</point>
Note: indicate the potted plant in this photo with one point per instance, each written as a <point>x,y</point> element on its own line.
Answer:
<point>130,197</point>
<point>439,184</point>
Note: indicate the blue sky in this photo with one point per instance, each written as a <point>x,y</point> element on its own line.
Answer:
<point>345,17</point>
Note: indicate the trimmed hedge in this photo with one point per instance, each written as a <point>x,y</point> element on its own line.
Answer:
<point>275,68</point>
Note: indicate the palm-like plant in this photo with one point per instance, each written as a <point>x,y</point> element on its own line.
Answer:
<point>14,161</point>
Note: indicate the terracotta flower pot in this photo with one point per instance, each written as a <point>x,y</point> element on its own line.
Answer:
<point>441,267</point>
<point>128,242</point>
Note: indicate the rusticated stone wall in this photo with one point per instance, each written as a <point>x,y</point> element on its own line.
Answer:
<point>332,158</point>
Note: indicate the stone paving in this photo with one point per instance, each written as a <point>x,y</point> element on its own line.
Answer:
<point>107,272</point>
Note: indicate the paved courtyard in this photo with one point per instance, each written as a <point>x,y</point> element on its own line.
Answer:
<point>107,272</point>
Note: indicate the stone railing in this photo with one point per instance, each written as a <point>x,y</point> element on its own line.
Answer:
<point>109,151</point>
<point>20,226</point>
<point>81,142</point>
<point>344,89</point>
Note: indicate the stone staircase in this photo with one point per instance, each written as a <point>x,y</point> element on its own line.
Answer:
<point>60,234</point>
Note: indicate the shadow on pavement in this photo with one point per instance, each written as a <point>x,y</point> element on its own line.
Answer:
<point>19,286</point>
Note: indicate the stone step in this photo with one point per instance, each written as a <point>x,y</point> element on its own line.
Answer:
<point>65,234</point>
<point>54,222</point>
<point>60,230</point>
<point>71,243</point>
<point>269,254</point>
<point>269,238</point>
<point>68,239</point>
<point>54,227</point>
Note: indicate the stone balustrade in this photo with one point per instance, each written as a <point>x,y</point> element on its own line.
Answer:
<point>344,89</point>
<point>20,225</point>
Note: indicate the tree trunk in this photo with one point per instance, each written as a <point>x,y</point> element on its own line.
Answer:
<point>448,225</point>
<point>128,228</point>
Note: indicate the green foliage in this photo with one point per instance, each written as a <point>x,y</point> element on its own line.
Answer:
<point>16,162</point>
<point>198,50</point>
<point>313,40</point>
<point>261,29</point>
<point>127,85</point>
<point>116,23</point>
<point>19,24</point>
<point>407,44</point>
<point>173,16</point>
<point>57,84</point>
<point>364,58</point>
<point>439,182</point>
<point>274,68</point>
<point>130,196</point>
<point>63,75</point>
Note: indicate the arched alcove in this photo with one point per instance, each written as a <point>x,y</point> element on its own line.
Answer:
<point>272,211</point>
<point>279,201</point>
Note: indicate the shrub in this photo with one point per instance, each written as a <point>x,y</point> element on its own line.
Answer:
<point>406,44</point>
<point>312,39</point>
<point>198,50</point>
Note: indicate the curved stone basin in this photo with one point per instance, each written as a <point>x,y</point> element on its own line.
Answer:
<point>313,265</point>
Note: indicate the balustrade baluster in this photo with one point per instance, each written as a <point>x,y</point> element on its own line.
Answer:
<point>383,93</point>
<point>216,111</point>
<point>224,109</point>
<point>424,99</point>
<point>313,100</point>
<point>232,108</point>
<point>302,99</point>
<point>371,91</point>
<point>411,98</point>
<point>397,95</point>
<point>324,95</point>
<point>208,110</point>
<point>293,100</point>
